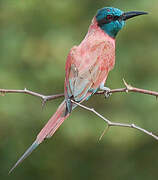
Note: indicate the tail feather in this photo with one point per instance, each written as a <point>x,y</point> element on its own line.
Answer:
<point>25,155</point>
<point>53,124</point>
<point>49,129</point>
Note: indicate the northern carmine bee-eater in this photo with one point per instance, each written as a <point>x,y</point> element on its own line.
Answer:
<point>87,67</point>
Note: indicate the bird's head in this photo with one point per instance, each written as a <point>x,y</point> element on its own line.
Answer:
<point>112,20</point>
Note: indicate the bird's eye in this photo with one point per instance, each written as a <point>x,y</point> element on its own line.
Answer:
<point>109,17</point>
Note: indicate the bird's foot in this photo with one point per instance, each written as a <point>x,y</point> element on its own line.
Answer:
<point>106,91</point>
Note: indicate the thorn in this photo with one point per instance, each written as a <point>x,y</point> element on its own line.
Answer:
<point>103,133</point>
<point>25,89</point>
<point>44,102</point>
<point>92,109</point>
<point>132,125</point>
<point>128,86</point>
<point>125,83</point>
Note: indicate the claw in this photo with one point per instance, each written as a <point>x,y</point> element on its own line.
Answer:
<point>106,90</point>
<point>107,93</point>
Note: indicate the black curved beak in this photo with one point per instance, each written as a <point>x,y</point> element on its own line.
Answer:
<point>131,14</point>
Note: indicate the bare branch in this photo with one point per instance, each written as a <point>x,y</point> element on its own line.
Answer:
<point>25,91</point>
<point>110,123</point>
<point>128,88</point>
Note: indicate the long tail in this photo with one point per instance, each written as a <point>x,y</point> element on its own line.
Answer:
<point>49,129</point>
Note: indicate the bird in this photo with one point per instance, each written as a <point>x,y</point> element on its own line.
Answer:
<point>87,68</point>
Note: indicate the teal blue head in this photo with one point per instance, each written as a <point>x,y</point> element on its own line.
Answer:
<point>112,20</point>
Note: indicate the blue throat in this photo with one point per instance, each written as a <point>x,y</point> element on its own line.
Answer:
<point>111,27</point>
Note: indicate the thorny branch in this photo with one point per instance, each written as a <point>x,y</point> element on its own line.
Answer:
<point>126,89</point>
<point>110,123</point>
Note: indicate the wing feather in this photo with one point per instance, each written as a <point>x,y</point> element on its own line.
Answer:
<point>86,70</point>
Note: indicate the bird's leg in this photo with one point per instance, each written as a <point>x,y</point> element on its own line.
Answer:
<point>105,89</point>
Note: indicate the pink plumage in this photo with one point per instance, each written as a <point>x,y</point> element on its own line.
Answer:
<point>87,66</point>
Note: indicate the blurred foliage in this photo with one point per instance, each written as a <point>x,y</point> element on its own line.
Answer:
<point>35,38</point>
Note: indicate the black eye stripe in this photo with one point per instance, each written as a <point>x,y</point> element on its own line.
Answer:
<point>108,19</point>
<point>116,18</point>
<point>101,22</point>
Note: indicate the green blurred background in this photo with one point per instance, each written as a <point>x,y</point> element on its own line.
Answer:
<point>35,38</point>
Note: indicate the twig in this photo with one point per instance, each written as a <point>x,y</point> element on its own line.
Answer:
<point>128,88</point>
<point>110,123</point>
<point>26,91</point>
<point>104,132</point>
